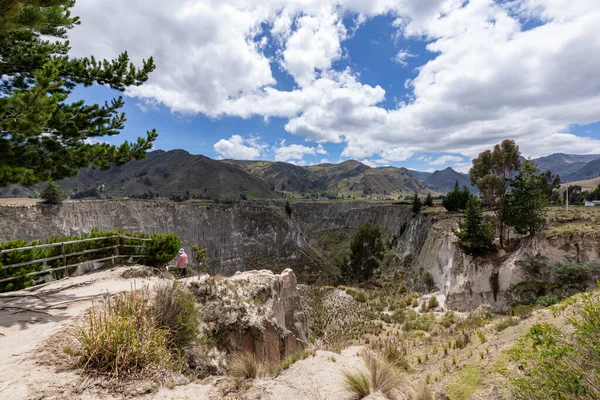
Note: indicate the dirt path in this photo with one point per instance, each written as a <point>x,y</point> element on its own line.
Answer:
<point>22,332</point>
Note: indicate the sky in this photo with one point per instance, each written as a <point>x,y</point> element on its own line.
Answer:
<point>424,84</point>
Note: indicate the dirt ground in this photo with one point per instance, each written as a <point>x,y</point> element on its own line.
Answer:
<point>30,339</point>
<point>18,202</point>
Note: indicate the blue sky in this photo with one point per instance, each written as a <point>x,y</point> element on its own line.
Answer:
<point>422,86</point>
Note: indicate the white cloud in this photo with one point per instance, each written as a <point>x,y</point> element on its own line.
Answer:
<point>324,161</point>
<point>238,148</point>
<point>443,160</point>
<point>488,80</point>
<point>295,153</point>
<point>369,163</point>
<point>402,56</point>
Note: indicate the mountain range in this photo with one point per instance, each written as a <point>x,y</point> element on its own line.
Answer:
<point>181,175</point>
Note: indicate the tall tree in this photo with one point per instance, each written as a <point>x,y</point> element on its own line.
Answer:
<point>491,173</point>
<point>549,182</point>
<point>475,236</point>
<point>429,200</point>
<point>366,252</point>
<point>416,204</point>
<point>43,136</point>
<point>526,203</point>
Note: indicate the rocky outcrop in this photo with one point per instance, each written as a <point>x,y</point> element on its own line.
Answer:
<point>469,282</point>
<point>256,311</point>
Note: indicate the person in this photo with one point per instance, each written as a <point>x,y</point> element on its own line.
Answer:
<point>181,261</point>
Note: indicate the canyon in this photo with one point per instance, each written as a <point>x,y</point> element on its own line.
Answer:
<point>265,236</point>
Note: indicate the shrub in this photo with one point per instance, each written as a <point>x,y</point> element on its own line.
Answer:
<point>505,323</point>
<point>122,338</point>
<point>244,365</point>
<point>572,273</point>
<point>163,248</point>
<point>558,363</point>
<point>522,311</point>
<point>357,295</point>
<point>547,300</point>
<point>288,208</point>
<point>422,323</point>
<point>433,302</point>
<point>51,194</point>
<point>175,310</point>
<point>16,257</point>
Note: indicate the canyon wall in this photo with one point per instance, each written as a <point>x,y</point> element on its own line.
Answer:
<point>238,237</point>
<point>248,237</point>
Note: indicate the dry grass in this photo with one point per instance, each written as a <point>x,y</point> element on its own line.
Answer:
<point>423,394</point>
<point>122,339</point>
<point>175,310</point>
<point>379,376</point>
<point>244,365</point>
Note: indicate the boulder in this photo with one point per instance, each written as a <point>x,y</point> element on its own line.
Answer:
<point>256,311</point>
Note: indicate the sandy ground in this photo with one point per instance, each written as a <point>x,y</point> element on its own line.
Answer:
<point>24,337</point>
<point>18,202</point>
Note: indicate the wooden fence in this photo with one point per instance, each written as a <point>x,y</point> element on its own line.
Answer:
<point>64,256</point>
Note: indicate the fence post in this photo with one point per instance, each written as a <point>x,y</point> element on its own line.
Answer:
<point>64,258</point>
<point>116,252</point>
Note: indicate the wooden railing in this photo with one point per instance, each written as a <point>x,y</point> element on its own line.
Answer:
<point>64,256</point>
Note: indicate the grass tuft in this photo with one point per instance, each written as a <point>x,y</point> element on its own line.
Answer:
<point>244,365</point>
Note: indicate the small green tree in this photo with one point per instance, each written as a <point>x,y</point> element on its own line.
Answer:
<point>475,236</point>
<point>366,252</point>
<point>51,194</point>
<point>288,208</point>
<point>429,200</point>
<point>457,199</point>
<point>416,205</point>
<point>526,203</point>
<point>199,258</point>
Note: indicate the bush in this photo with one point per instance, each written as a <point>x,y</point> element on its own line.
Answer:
<point>17,257</point>
<point>163,248</point>
<point>288,208</point>
<point>559,363</point>
<point>547,300</point>
<point>433,302</point>
<point>175,310</point>
<point>394,352</point>
<point>505,323</point>
<point>522,311</point>
<point>123,339</point>
<point>51,194</point>
<point>573,273</point>
<point>423,322</point>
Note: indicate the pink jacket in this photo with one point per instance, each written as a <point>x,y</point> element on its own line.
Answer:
<point>182,260</point>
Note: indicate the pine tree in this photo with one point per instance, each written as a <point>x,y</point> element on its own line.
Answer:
<point>416,205</point>
<point>475,236</point>
<point>526,203</point>
<point>429,200</point>
<point>43,136</point>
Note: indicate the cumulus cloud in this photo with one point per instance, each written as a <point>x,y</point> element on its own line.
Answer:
<point>295,153</point>
<point>238,148</point>
<point>442,160</point>
<point>488,78</point>
<point>402,56</point>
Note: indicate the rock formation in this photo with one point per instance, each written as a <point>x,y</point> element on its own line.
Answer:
<point>256,311</point>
